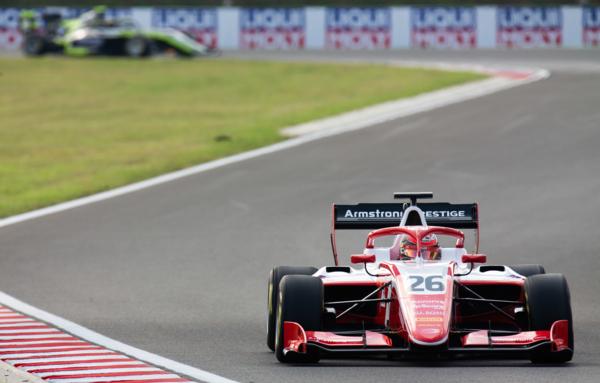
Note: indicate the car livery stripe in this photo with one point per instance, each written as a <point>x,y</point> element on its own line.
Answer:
<point>56,356</point>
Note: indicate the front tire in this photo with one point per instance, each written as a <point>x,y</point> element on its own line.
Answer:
<point>548,300</point>
<point>273,293</point>
<point>300,301</point>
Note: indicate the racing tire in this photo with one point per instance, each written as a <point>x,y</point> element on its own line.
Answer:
<point>275,277</point>
<point>34,45</point>
<point>549,300</point>
<point>301,301</point>
<point>136,47</point>
<point>528,270</point>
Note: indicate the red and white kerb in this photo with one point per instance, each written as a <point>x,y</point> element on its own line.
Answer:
<point>56,356</point>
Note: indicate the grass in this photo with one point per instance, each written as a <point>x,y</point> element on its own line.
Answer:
<point>72,127</point>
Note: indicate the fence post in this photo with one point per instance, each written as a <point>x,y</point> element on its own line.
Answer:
<point>314,27</point>
<point>572,27</point>
<point>486,25</point>
<point>228,28</point>
<point>400,27</point>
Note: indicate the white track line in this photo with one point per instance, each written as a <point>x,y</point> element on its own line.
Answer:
<point>111,344</point>
<point>319,129</point>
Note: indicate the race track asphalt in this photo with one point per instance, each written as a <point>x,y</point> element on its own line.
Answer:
<point>180,269</point>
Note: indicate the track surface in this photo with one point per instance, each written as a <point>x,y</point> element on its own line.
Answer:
<point>180,269</point>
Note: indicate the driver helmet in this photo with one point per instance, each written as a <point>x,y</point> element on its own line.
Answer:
<point>430,248</point>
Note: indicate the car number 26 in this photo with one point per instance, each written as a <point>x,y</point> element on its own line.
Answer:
<point>427,283</point>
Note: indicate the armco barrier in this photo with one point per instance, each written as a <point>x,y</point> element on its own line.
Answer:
<point>359,28</point>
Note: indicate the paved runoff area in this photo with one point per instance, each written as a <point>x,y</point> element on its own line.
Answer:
<point>180,269</point>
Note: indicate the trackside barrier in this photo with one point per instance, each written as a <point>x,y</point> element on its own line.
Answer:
<point>359,28</point>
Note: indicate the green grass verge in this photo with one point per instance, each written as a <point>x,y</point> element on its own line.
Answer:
<point>72,127</point>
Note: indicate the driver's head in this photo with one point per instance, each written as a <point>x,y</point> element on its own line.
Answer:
<point>430,248</point>
<point>100,12</point>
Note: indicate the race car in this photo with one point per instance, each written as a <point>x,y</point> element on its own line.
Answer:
<point>419,293</point>
<point>93,34</point>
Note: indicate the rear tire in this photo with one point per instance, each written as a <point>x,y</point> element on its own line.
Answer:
<point>528,270</point>
<point>300,301</point>
<point>273,292</point>
<point>34,45</point>
<point>136,47</point>
<point>548,300</point>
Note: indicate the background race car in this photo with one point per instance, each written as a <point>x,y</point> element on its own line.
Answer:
<point>93,34</point>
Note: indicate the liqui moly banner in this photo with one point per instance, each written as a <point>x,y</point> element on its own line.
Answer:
<point>529,27</point>
<point>10,37</point>
<point>201,23</point>
<point>443,27</point>
<point>358,28</point>
<point>591,26</point>
<point>272,28</point>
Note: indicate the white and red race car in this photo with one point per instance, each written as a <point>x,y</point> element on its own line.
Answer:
<point>431,300</point>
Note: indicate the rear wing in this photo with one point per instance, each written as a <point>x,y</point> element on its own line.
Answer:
<point>378,215</point>
<point>371,216</point>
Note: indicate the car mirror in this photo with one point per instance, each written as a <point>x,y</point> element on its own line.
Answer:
<point>474,258</point>
<point>362,258</point>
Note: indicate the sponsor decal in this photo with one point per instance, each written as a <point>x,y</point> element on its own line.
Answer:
<point>426,284</point>
<point>10,37</point>
<point>200,23</point>
<point>529,27</point>
<point>374,215</point>
<point>427,307</point>
<point>9,18</point>
<point>272,28</point>
<point>358,28</point>
<point>398,214</point>
<point>591,26</point>
<point>443,27</point>
<point>430,319</point>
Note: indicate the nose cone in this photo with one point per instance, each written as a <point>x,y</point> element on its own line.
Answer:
<point>429,334</point>
<point>425,298</point>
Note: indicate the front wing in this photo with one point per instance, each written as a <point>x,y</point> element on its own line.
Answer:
<point>481,343</point>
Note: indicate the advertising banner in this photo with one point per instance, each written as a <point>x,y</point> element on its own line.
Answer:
<point>10,38</point>
<point>358,28</point>
<point>200,23</point>
<point>529,27</point>
<point>272,28</point>
<point>443,27</point>
<point>591,26</point>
